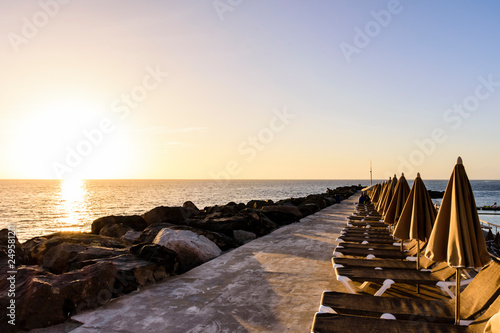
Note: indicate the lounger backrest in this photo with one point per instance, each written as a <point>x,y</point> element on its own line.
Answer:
<point>480,323</point>
<point>482,291</point>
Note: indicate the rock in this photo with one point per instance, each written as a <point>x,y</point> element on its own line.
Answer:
<point>192,249</point>
<point>190,205</point>
<point>436,194</point>
<point>148,235</point>
<point>36,248</point>
<point>132,272</point>
<point>243,236</point>
<point>158,254</point>
<point>132,236</point>
<point>258,204</point>
<point>162,214</point>
<point>245,220</point>
<point>44,299</point>
<point>284,209</point>
<point>308,209</point>
<point>115,230</point>
<point>281,218</point>
<point>135,222</point>
<point>221,240</point>
<point>10,248</point>
<point>56,260</point>
<point>85,257</point>
<point>317,200</point>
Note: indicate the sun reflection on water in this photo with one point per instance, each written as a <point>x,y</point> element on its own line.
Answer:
<point>72,205</point>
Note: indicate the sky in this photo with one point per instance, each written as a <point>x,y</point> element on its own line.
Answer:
<point>249,89</point>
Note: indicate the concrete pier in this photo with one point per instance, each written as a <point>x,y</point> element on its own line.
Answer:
<point>272,284</point>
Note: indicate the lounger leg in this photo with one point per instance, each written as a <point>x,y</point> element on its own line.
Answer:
<point>386,285</point>
<point>348,284</point>
<point>326,309</point>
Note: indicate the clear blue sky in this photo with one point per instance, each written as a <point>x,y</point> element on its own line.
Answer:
<point>255,89</point>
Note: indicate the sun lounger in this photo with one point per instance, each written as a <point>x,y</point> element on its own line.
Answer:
<point>373,252</point>
<point>477,296</point>
<point>393,246</point>
<point>383,263</point>
<point>438,276</point>
<point>366,231</point>
<point>365,239</point>
<point>332,323</point>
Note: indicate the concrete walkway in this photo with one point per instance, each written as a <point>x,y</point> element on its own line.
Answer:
<point>272,284</point>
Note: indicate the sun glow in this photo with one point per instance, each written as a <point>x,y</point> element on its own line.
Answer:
<point>47,134</point>
<point>72,204</point>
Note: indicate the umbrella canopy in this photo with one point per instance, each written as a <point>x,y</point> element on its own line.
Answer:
<point>388,195</point>
<point>418,215</point>
<point>398,201</point>
<point>457,237</point>
<point>383,191</point>
<point>376,193</point>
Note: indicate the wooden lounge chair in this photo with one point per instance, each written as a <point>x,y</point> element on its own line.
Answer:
<point>366,231</point>
<point>367,224</point>
<point>332,323</point>
<point>393,246</point>
<point>477,296</point>
<point>383,263</point>
<point>365,239</point>
<point>437,276</point>
<point>372,252</point>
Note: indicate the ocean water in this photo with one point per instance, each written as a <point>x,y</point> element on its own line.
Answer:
<point>40,207</point>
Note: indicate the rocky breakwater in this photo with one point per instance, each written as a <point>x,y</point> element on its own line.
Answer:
<point>63,273</point>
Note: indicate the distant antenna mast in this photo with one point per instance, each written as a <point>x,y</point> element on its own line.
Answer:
<point>370,172</point>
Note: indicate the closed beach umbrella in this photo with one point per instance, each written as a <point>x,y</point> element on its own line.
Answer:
<point>418,216</point>
<point>383,190</point>
<point>457,237</point>
<point>398,201</point>
<point>388,195</point>
<point>376,193</point>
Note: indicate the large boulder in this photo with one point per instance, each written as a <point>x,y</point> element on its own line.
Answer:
<point>190,205</point>
<point>148,235</point>
<point>243,236</point>
<point>281,214</point>
<point>191,248</point>
<point>221,240</point>
<point>56,260</point>
<point>131,272</point>
<point>174,215</point>
<point>85,257</point>
<point>258,204</point>
<point>115,230</point>
<point>135,222</point>
<point>132,236</point>
<point>248,220</point>
<point>308,209</point>
<point>158,254</point>
<point>36,248</point>
<point>44,299</point>
<point>284,209</point>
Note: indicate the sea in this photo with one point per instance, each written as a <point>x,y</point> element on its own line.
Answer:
<point>38,207</point>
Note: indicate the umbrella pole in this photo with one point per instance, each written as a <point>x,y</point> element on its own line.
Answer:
<point>418,263</point>
<point>457,298</point>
